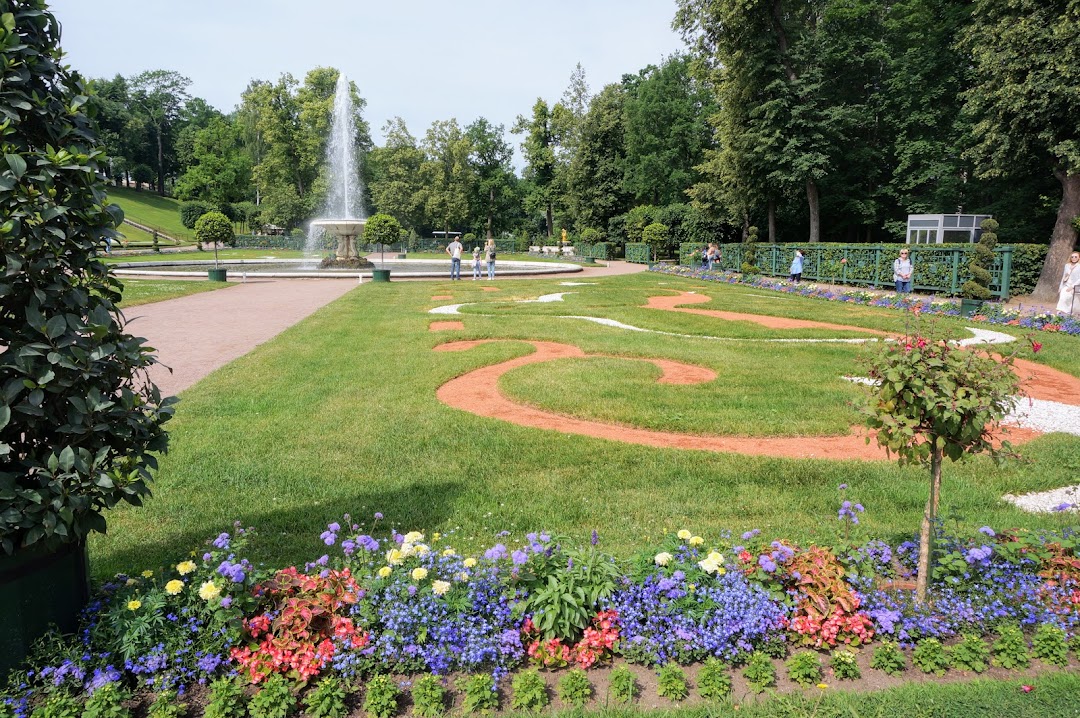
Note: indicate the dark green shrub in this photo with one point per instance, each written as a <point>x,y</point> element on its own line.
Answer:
<point>1027,263</point>
<point>978,287</point>
<point>672,684</point>
<point>590,236</point>
<point>749,263</point>
<point>714,682</point>
<point>326,699</point>
<point>214,228</point>
<point>142,174</point>
<point>530,693</point>
<point>656,236</point>
<point>622,684</point>
<point>78,425</point>
<point>191,211</point>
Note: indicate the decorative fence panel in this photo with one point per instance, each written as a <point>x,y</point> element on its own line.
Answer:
<point>638,252</point>
<point>941,268</point>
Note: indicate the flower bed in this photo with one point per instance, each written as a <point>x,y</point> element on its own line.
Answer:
<point>404,604</point>
<point>990,312</point>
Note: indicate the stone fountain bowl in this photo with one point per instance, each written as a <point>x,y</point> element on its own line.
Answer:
<point>341,227</point>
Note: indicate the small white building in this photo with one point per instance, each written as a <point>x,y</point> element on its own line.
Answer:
<point>941,228</point>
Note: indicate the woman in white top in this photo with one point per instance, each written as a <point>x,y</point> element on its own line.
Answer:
<point>1070,279</point>
<point>901,270</point>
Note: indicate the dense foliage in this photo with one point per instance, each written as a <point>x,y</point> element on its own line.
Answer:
<point>80,421</point>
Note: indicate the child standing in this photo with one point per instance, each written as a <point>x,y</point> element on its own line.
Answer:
<point>476,263</point>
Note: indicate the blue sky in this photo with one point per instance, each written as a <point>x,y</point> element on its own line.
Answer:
<point>418,59</point>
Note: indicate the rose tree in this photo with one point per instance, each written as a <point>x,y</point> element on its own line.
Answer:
<point>932,399</point>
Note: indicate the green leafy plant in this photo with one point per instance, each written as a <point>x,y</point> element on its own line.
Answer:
<point>970,654</point>
<point>480,694</point>
<point>844,665</point>
<point>1010,649</point>
<point>672,684</point>
<point>58,705</point>
<point>428,696</point>
<point>760,672</point>
<point>978,287</point>
<point>930,657</point>
<point>107,702</point>
<point>381,228</point>
<point>714,681</point>
<point>167,704</point>
<point>530,693</point>
<point>273,700</point>
<point>79,422</point>
<point>326,699</point>
<point>933,400</point>
<point>622,684</point>
<point>804,668</point>
<point>381,696</point>
<point>214,227</point>
<point>226,700</point>
<point>1048,645</point>
<point>575,688</point>
<point>889,659</point>
<point>1074,644</point>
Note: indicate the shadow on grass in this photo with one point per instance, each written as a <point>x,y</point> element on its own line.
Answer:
<point>274,543</point>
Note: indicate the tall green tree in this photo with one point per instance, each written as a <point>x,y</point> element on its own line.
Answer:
<point>595,185</point>
<point>1026,103</point>
<point>396,183</point>
<point>539,147</point>
<point>158,96</point>
<point>665,131</point>
<point>219,170</point>
<point>447,174</point>
<point>494,189</point>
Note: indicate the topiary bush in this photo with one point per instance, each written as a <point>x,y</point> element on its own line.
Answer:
<point>191,211</point>
<point>214,228</point>
<point>382,229</point>
<point>978,287</point>
<point>656,236</point>
<point>80,421</point>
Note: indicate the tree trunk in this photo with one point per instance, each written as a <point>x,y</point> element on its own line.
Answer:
<point>160,163</point>
<point>1061,241</point>
<point>772,221</point>
<point>815,210</point>
<point>550,222</point>
<point>926,533</point>
<point>491,211</point>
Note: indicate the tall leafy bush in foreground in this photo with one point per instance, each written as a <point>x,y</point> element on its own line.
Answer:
<point>79,419</point>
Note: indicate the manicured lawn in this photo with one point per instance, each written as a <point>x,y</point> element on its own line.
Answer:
<point>150,209</point>
<point>339,414</point>
<point>144,291</point>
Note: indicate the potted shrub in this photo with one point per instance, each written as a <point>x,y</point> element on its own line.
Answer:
<point>382,229</point>
<point>977,289</point>
<point>216,228</point>
<point>79,421</point>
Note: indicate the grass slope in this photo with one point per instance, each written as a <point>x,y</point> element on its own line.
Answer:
<point>150,209</point>
<point>338,414</point>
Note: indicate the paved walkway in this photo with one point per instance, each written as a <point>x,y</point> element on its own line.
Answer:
<point>196,334</point>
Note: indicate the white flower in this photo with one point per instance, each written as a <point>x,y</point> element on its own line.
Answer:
<point>395,557</point>
<point>448,552</point>
<point>209,591</point>
<point>421,550</point>
<point>419,573</point>
<point>684,535</point>
<point>440,587</point>
<point>413,537</point>
<point>663,558</point>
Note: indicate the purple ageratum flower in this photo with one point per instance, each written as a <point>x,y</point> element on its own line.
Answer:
<point>496,552</point>
<point>322,560</point>
<point>842,486</point>
<point>226,602</point>
<point>544,537</point>
<point>987,531</point>
<point>595,537</point>
<point>378,515</point>
<point>519,557</point>
<point>207,556</point>
<point>766,563</point>
<point>348,547</point>
<point>328,537</point>
<point>335,527</point>
<point>222,541</point>
<point>1063,507</point>
<point>750,534</point>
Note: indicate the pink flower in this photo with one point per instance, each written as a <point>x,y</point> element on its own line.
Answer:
<point>843,261</point>
<point>1036,346</point>
<point>1026,688</point>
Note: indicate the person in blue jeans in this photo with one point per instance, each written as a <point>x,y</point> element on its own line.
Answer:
<point>489,252</point>
<point>476,263</point>
<point>796,267</point>
<point>454,250</point>
<point>902,271</point>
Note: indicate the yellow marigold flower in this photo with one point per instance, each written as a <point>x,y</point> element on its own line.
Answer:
<point>448,552</point>
<point>462,576</point>
<point>708,565</point>
<point>395,557</point>
<point>469,562</point>
<point>134,605</point>
<point>209,591</point>
<point>419,573</point>
<point>385,571</point>
<point>185,567</point>
<point>684,535</point>
<point>421,549</point>
<point>663,558</point>
<point>822,686</point>
<point>690,588</point>
<point>174,587</point>
<point>436,536</point>
<point>147,574</point>
<point>414,537</point>
<point>440,587</point>
<point>131,582</point>
<point>696,541</point>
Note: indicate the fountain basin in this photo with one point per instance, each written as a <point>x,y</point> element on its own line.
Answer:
<point>308,268</point>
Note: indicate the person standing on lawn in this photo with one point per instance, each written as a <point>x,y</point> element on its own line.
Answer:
<point>454,250</point>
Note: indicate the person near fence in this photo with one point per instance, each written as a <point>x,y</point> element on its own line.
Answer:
<point>796,266</point>
<point>902,271</point>
<point>712,256</point>
<point>476,263</point>
<point>705,257</point>
<point>489,250</point>
<point>1070,280</point>
<point>454,250</point>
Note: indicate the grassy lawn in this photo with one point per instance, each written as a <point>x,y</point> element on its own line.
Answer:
<point>150,209</point>
<point>338,414</point>
<point>145,291</point>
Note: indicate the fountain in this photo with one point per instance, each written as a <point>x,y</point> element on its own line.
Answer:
<point>344,204</point>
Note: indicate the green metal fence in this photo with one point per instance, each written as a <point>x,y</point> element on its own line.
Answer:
<point>939,268</point>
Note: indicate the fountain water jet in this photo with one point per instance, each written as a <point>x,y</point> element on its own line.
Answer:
<point>344,215</point>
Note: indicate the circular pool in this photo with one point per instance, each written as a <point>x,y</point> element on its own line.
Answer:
<point>309,268</point>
